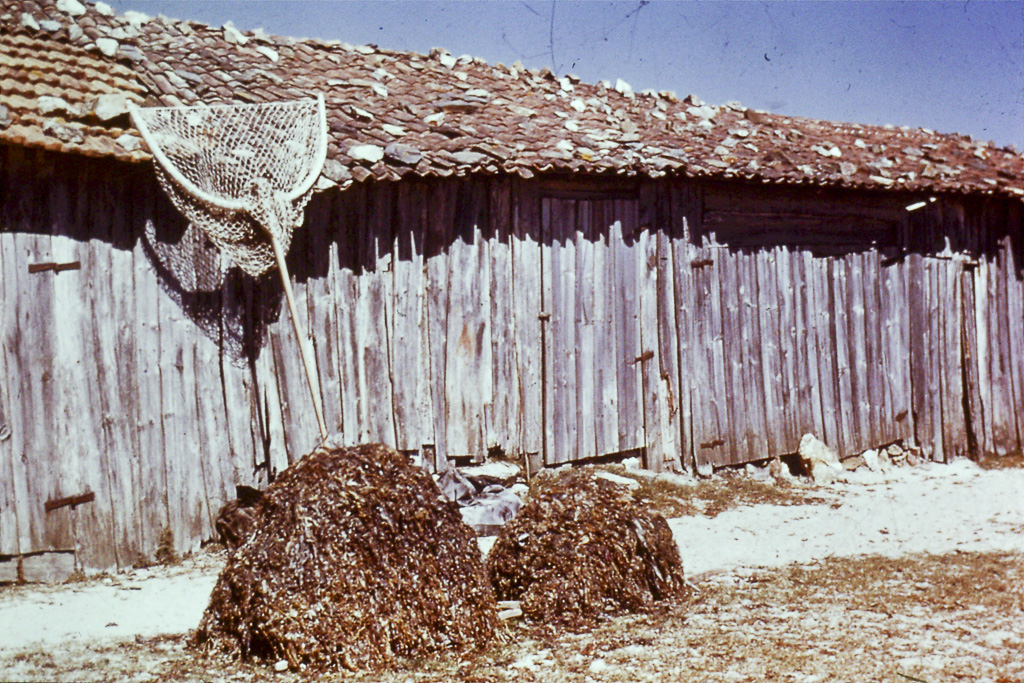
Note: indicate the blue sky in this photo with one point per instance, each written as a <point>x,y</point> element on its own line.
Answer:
<point>948,66</point>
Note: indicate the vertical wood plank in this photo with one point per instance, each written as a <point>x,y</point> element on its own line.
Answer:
<point>243,418</point>
<point>30,530</point>
<point>769,310</point>
<point>548,345</point>
<point>737,395</point>
<point>796,414</point>
<point>1002,398</point>
<point>878,394</point>
<point>301,431</point>
<point>753,442</point>
<point>376,415</point>
<point>954,429</point>
<point>94,389</point>
<point>974,427</point>
<point>279,362</point>
<point>683,293</point>
<point>10,413</point>
<point>18,414</point>
<point>934,307</point>
<point>809,389</point>
<point>659,443</point>
<point>1014,274</point>
<point>712,372</point>
<point>676,452</point>
<point>348,211</point>
<point>10,531</point>
<point>78,406</point>
<point>981,319</point>
<point>585,284</point>
<point>606,420</point>
<point>647,312</point>
<point>503,426</point>
<point>437,268</point>
<point>903,413</point>
<point>563,329</point>
<point>35,370</point>
<point>409,365</point>
<point>380,208</point>
<point>627,327</point>
<point>345,291</point>
<point>322,311</point>
<point>921,335</point>
<point>468,361</point>
<point>271,404</point>
<point>820,310</point>
<point>212,450</point>
<point>299,427</point>
<point>346,297</point>
<point>425,392</point>
<point>848,415</point>
<point>178,422</point>
<point>152,461</point>
<point>857,340</point>
<point>527,300</point>
<point>927,392</point>
<point>123,434</point>
<point>887,378</point>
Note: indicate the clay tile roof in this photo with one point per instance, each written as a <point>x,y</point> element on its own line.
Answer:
<point>67,70</point>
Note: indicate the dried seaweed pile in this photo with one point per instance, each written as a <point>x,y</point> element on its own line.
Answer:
<point>584,547</point>
<point>355,559</point>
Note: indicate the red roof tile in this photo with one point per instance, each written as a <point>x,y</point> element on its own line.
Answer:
<point>441,115</point>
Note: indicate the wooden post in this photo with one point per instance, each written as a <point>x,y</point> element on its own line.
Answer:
<point>286,281</point>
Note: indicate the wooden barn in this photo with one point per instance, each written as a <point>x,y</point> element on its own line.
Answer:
<point>496,260</point>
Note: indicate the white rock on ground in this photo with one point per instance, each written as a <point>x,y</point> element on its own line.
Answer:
<point>497,469</point>
<point>820,460</point>
<point>617,479</point>
<point>670,477</point>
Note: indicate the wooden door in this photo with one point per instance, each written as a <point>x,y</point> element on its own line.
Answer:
<point>590,334</point>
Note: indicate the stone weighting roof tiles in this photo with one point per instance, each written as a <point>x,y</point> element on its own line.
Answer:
<point>68,69</point>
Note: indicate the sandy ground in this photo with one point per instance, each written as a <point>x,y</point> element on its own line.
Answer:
<point>934,509</point>
<point>928,509</point>
<point>146,603</point>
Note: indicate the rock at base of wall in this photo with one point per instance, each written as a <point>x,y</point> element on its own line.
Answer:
<point>819,460</point>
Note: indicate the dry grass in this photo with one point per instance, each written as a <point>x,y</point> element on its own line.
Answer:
<point>894,585</point>
<point>928,618</point>
<point>710,497</point>
<point>165,553</point>
<point>1002,462</point>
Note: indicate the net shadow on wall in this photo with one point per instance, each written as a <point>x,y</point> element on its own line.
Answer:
<point>230,308</point>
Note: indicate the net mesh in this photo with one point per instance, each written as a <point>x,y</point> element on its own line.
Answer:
<point>251,158</point>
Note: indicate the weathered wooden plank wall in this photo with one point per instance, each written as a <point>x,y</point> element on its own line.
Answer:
<point>108,386</point>
<point>698,324</point>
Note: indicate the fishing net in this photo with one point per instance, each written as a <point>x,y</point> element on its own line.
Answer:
<point>584,547</point>
<point>354,559</point>
<point>243,174</point>
<point>212,158</point>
